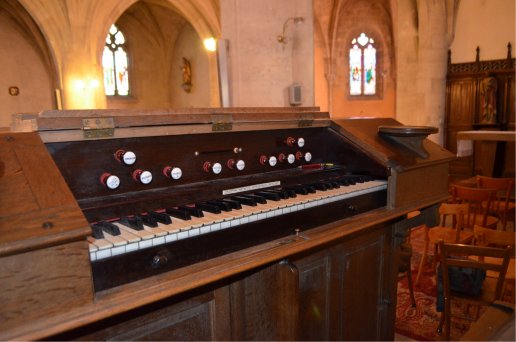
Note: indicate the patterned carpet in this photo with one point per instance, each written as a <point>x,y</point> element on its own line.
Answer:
<point>420,323</point>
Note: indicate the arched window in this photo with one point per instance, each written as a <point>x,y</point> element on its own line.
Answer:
<point>114,63</point>
<point>362,66</point>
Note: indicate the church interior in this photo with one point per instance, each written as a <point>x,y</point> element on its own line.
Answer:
<point>119,118</point>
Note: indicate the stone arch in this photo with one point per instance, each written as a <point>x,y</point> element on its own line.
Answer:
<point>27,66</point>
<point>373,18</point>
<point>76,34</point>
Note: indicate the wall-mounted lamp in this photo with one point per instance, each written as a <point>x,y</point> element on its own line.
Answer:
<point>282,38</point>
<point>210,44</point>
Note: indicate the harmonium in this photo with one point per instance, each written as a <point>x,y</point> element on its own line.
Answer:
<point>208,224</point>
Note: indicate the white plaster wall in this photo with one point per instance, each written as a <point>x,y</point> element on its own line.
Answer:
<point>22,67</point>
<point>261,69</point>
<point>190,46</point>
<point>489,24</point>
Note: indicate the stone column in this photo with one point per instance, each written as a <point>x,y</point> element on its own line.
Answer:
<point>422,57</point>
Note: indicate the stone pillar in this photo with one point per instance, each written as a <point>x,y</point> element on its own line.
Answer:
<point>422,57</point>
<point>261,67</point>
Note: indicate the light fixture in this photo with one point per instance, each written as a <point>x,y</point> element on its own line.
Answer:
<point>282,39</point>
<point>210,44</point>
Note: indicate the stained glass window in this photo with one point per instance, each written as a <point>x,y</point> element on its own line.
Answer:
<point>114,63</point>
<point>362,66</point>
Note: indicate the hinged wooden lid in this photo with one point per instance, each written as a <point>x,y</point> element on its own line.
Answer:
<point>69,125</point>
<point>37,209</point>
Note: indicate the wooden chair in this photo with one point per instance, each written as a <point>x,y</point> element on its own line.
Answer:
<point>450,230</point>
<point>497,238</point>
<point>502,205</point>
<point>480,201</point>
<point>404,266</point>
<point>468,256</point>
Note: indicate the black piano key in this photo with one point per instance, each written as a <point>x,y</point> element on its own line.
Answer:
<point>192,210</point>
<point>298,189</point>
<point>179,213</point>
<point>311,189</point>
<point>97,232</point>
<point>290,193</point>
<point>344,182</point>
<point>133,222</point>
<point>109,228</point>
<point>208,207</point>
<point>328,185</point>
<point>319,186</point>
<point>223,206</point>
<point>149,220</point>
<point>282,193</point>
<point>269,195</point>
<point>160,217</point>
<point>259,199</point>
<point>245,200</point>
<point>335,184</point>
<point>234,204</point>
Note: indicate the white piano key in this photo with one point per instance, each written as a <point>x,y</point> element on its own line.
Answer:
<point>193,232</point>
<point>118,250</point>
<point>171,237</point>
<point>131,247</point>
<point>103,253</point>
<point>158,240</point>
<point>145,243</point>
<point>182,235</point>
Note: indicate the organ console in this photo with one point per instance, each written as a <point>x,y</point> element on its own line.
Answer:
<point>206,223</point>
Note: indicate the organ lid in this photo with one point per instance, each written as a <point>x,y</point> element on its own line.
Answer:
<point>73,125</point>
<point>37,209</point>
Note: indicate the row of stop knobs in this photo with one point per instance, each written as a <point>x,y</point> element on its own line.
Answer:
<point>145,177</point>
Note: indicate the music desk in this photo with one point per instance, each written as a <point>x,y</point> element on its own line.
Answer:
<point>492,165</point>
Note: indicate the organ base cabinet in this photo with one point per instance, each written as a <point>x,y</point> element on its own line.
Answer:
<point>335,292</point>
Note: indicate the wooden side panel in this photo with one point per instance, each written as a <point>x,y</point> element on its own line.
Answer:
<point>461,106</point>
<point>358,287</point>
<point>264,305</point>
<point>315,297</point>
<point>37,209</point>
<point>417,184</point>
<point>193,317</point>
<point>44,282</point>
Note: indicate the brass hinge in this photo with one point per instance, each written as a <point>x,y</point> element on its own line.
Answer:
<point>221,122</point>
<point>98,127</point>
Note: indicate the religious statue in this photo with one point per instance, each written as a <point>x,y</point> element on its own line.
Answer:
<point>187,75</point>
<point>488,87</point>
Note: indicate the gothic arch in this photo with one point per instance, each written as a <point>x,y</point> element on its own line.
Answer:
<point>28,68</point>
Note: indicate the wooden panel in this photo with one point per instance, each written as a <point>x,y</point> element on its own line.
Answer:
<point>414,185</point>
<point>315,297</point>
<point>190,317</point>
<point>36,207</point>
<point>44,282</point>
<point>264,305</point>
<point>14,183</point>
<point>359,265</point>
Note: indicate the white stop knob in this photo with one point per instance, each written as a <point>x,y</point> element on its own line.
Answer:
<point>216,168</point>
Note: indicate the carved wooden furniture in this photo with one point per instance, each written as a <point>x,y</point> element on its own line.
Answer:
<point>480,96</point>
<point>293,207</point>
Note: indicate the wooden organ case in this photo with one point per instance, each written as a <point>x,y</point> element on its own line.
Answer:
<point>208,224</point>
